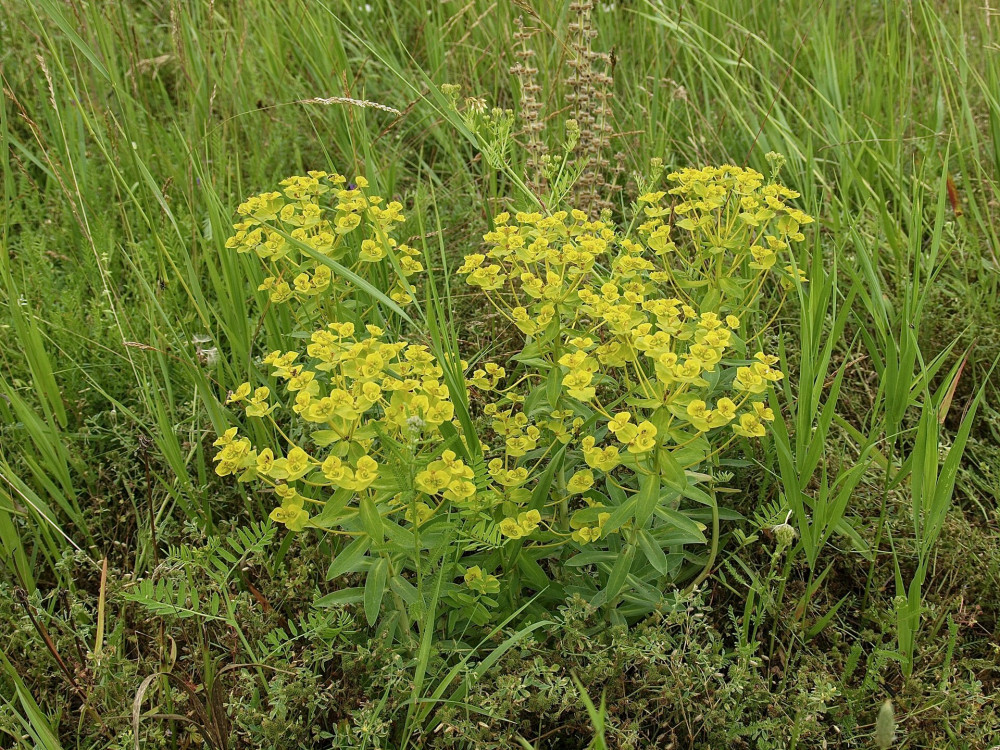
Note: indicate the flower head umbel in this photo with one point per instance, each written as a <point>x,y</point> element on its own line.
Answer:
<point>314,219</point>
<point>350,391</point>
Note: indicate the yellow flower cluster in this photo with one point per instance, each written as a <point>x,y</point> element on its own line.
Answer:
<point>612,327</point>
<point>448,477</point>
<point>523,525</point>
<point>480,582</point>
<point>737,224</point>
<point>352,393</point>
<point>315,216</point>
<point>610,322</point>
<point>584,534</point>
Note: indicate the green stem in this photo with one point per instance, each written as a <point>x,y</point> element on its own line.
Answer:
<point>785,572</point>
<point>713,549</point>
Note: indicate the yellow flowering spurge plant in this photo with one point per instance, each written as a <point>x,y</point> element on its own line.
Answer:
<point>364,425</point>
<point>595,468</point>
<point>319,233</point>
<point>635,376</point>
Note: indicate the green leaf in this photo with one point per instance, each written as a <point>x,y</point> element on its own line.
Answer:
<point>653,552</point>
<point>671,471</point>
<point>405,590</point>
<point>332,511</point>
<point>647,499</point>
<point>619,574</point>
<point>692,530</point>
<point>553,386</point>
<point>51,9</point>
<point>533,401</point>
<point>942,498</point>
<point>533,573</point>
<point>711,301</point>
<point>323,438</point>
<point>698,495</point>
<point>619,516</point>
<point>375,589</point>
<point>591,557</point>
<point>340,598</point>
<point>349,558</point>
<point>817,627</point>
<point>531,361</point>
<point>371,521</point>
<point>615,492</point>
<point>397,535</point>
<point>541,492</point>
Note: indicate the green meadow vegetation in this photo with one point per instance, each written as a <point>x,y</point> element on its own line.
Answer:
<point>499,374</point>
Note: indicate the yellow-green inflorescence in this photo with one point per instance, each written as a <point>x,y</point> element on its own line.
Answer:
<point>356,393</point>
<point>316,216</point>
<point>636,367</point>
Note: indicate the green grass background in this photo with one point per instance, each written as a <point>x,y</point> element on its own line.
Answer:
<point>129,132</point>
